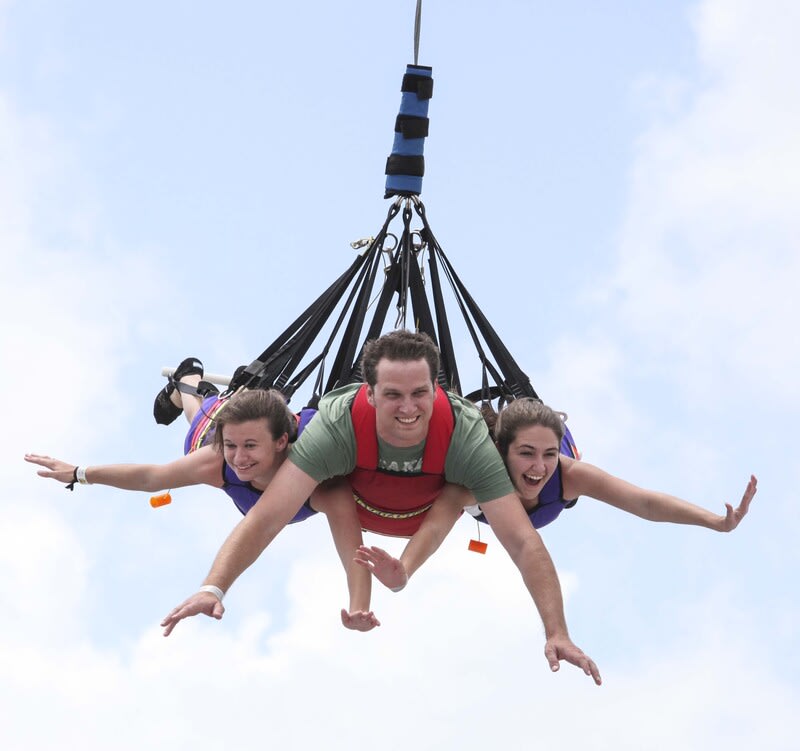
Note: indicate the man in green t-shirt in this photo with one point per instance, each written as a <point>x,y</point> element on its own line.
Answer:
<point>400,371</point>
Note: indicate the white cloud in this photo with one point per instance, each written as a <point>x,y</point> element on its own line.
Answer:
<point>709,252</point>
<point>43,589</point>
<point>433,674</point>
<point>71,300</point>
<point>458,661</point>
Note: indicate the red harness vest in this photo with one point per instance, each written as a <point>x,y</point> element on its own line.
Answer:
<point>395,503</point>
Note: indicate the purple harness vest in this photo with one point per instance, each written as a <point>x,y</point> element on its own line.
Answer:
<point>551,498</point>
<point>243,494</point>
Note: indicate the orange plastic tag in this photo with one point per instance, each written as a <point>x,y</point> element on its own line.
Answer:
<point>160,500</point>
<point>476,546</point>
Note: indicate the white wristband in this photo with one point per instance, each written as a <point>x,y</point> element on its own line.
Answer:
<point>80,474</point>
<point>214,591</point>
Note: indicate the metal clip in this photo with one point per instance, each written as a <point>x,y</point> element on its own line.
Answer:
<point>363,242</point>
<point>389,243</point>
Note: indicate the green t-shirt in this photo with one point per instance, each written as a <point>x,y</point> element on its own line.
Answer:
<point>327,448</point>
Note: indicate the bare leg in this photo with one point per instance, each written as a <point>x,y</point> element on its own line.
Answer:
<point>335,499</point>
<point>444,513</point>
<point>189,403</point>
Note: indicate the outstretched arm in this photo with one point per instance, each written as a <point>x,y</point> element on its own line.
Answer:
<point>272,512</point>
<point>584,479</point>
<point>395,573</point>
<point>523,543</point>
<point>199,467</point>
<point>335,499</point>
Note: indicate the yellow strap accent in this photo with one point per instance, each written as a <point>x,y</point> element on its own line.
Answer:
<point>390,514</point>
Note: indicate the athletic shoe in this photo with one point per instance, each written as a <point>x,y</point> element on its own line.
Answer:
<point>164,411</point>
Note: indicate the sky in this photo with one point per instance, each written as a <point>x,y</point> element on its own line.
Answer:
<point>617,185</point>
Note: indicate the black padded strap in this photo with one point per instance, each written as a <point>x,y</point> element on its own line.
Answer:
<point>399,164</point>
<point>412,126</point>
<point>422,86</point>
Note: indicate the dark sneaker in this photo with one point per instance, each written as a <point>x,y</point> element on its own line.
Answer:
<point>164,410</point>
<point>190,366</point>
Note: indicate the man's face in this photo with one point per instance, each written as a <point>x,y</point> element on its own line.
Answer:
<point>403,399</point>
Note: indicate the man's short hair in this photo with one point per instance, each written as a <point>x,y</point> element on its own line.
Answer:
<point>399,345</point>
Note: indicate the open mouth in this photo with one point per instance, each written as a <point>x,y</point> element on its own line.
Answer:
<point>532,479</point>
<point>407,420</point>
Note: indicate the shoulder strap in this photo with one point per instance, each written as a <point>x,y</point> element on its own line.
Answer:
<point>363,415</point>
<point>437,441</point>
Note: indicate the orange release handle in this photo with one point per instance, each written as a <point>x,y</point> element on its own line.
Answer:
<point>160,500</point>
<point>476,546</point>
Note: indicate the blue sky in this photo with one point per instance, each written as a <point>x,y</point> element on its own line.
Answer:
<point>617,185</point>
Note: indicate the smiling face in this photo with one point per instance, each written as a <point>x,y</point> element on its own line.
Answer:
<point>531,461</point>
<point>252,452</point>
<point>403,399</point>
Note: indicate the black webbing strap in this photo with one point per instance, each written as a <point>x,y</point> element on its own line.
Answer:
<point>283,368</point>
<point>366,285</point>
<point>447,353</point>
<point>361,288</point>
<point>342,368</point>
<point>423,319</point>
<point>412,126</point>
<point>297,338</point>
<point>513,376</point>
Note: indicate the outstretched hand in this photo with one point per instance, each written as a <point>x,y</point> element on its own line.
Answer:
<point>359,620</point>
<point>54,468</point>
<point>388,570</point>
<point>561,648</point>
<point>735,515</point>
<point>206,603</point>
